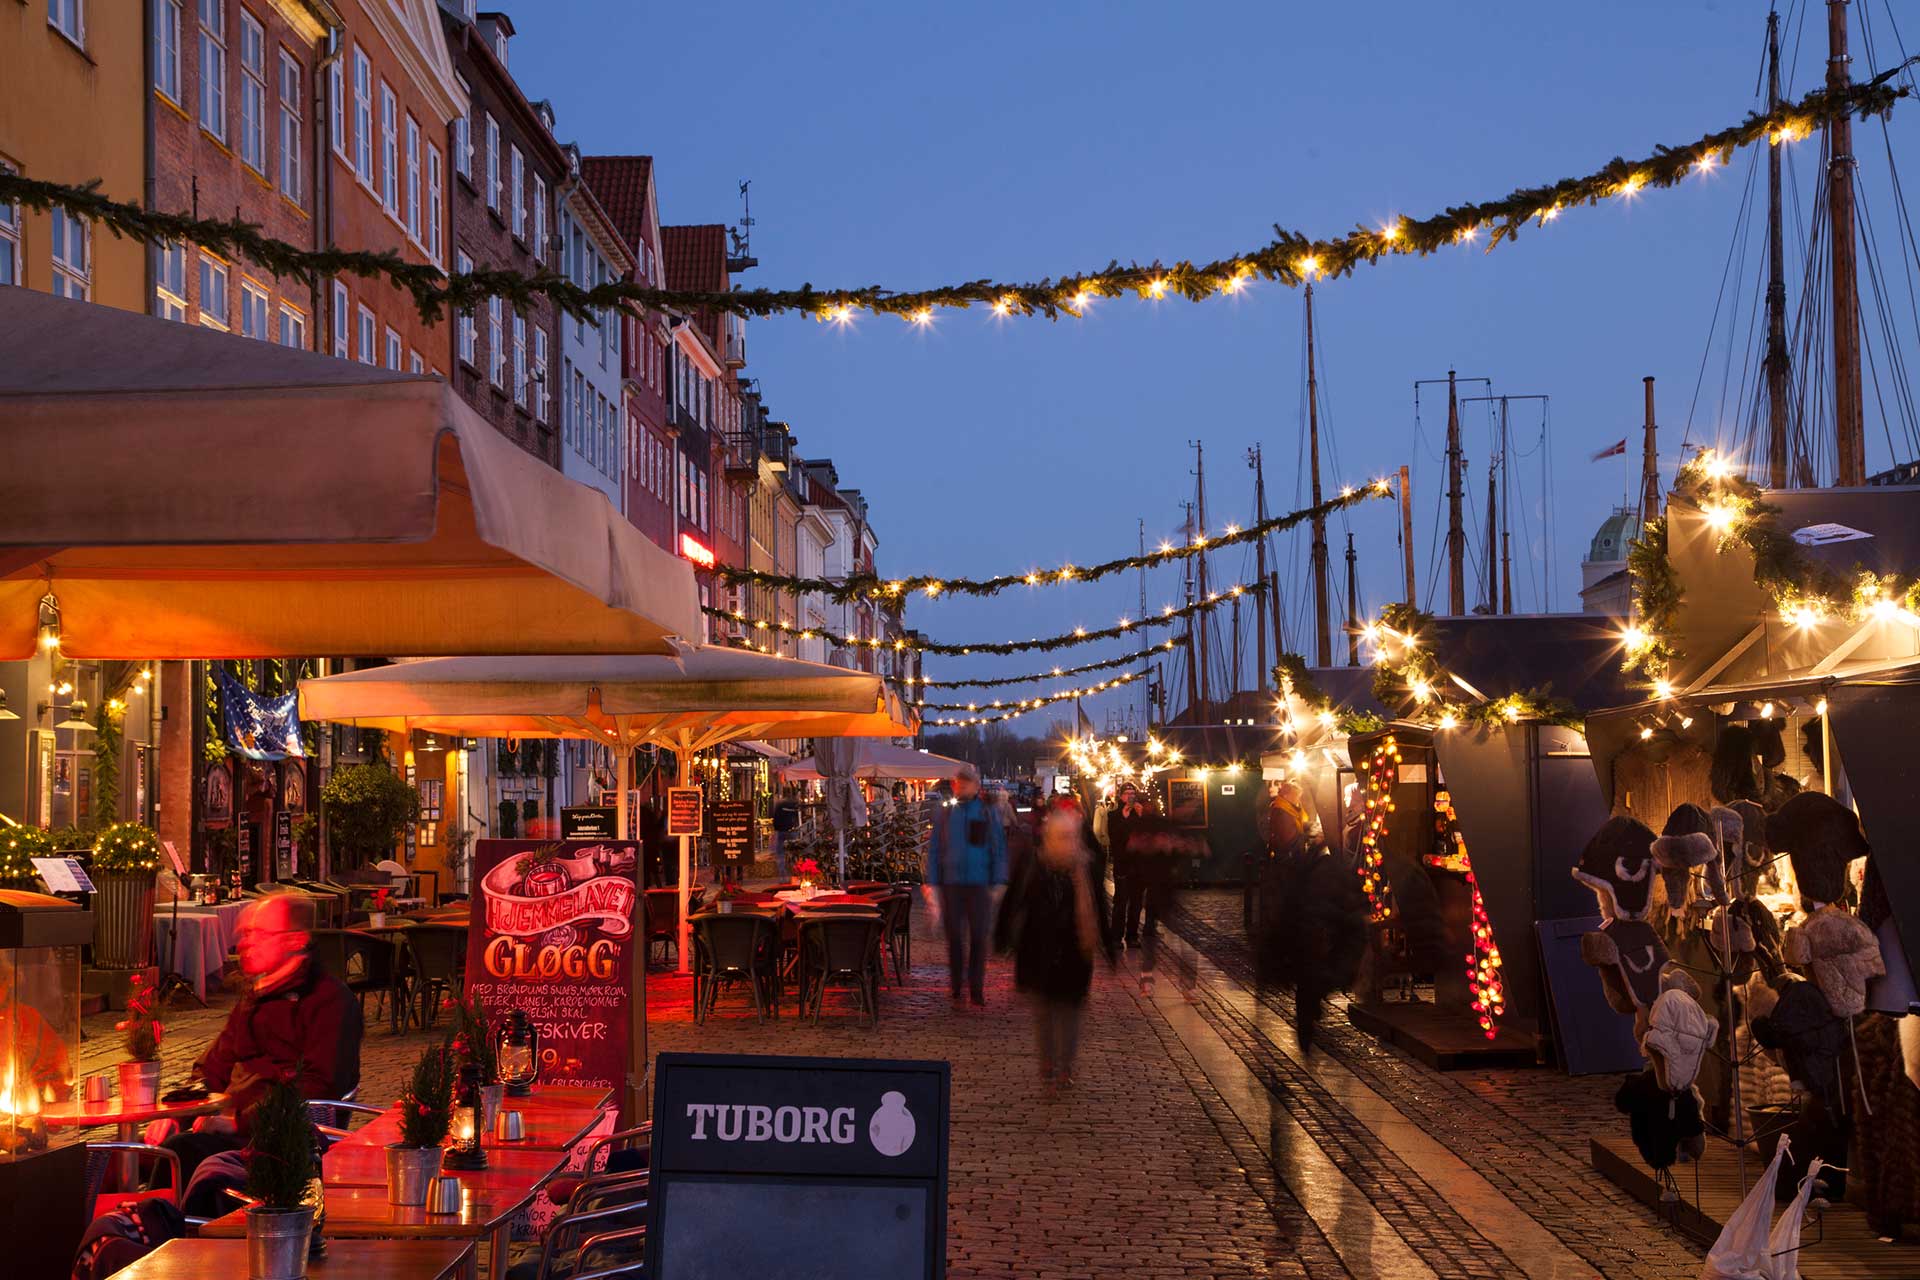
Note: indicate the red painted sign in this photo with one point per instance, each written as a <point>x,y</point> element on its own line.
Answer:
<point>553,925</point>
<point>700,553</point>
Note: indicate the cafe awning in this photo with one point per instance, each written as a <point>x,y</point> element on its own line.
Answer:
<point>182,493</point>
<point>875,761</point>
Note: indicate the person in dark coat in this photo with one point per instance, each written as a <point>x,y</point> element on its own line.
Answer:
<point>1051,922</point>
<point>298,1024</point>
<point>1313,932</point>
<point>1129,893</point>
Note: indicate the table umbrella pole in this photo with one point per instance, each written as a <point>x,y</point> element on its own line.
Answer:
<point>686,878</point>
<point>622,770</point>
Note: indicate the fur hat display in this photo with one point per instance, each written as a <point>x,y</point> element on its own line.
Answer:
<point>1742,871</point>
<point>1631,960</point>
<point>1807,1038</point>
<point>1617,865</point>
<point>1677,1037</point>
<point>1820,837</point>
<point>1769,743</point>
<point>1691,839</point>
<point>1732,776</point>
<point>1839,954</point>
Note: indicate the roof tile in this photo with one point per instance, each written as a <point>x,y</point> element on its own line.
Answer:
<point>620,184</point>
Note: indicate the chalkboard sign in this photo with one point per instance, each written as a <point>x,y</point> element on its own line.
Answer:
<point>552,932</point>
<point>733,831</point>
<point>590,822</point>
<point>684,817</point>
<point>839,1165</point>
<point>282,845</point>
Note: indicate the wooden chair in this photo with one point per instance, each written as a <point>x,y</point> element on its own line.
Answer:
<point>436,958</point>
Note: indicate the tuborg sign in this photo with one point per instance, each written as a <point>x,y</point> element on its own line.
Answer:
<point>840,1164</point>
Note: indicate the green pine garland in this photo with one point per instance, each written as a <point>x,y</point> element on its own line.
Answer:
<point>1029,704</point>
<point>1290,258</point>
<point>1081,636</point>
<point>871,586</point>
<point>1125,659</point>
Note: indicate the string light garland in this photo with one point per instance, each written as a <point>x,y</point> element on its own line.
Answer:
<point>1484,978</point>
<point>1383,770</point>
<point>1028,704</point>
<point>871,586</point>
<point>1290,259</point>
<point>1805,592</point>
<point>1079,635</point>
<point>1057,673</point>
<point>1406,670</point>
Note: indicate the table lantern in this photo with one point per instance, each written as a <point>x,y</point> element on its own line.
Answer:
<point>518,1041</point>
<point>467,1124</point>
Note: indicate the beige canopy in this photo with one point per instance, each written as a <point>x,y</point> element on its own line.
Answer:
<point>882,762</point>
<point>703,698</point>
<point>182,493</point>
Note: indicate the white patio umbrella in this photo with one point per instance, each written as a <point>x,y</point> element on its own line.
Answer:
<point>687,704</point>
<point>876,761</point>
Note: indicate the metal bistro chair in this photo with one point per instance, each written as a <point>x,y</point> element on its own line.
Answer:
<point>737,946</point>
<point>360,960</point>
<point>895,912</point>
<point>603,1206</point>
<point>663,920</point>
<point>331,1116</point>
<point>841,947</point>
<point>102,1156</point>
<point>436,955</point>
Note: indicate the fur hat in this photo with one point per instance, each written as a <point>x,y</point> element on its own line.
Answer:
<point>1731,777</point>
<point>1754,854</point>
<point>1616,865</point>
<point>1678,1034</point>
<point>1691,839</point>
<point>1820,836</point>
<point>1839,953</point>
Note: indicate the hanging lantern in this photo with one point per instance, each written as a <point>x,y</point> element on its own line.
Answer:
<point>518,1042</point>
<point>467,1123</point>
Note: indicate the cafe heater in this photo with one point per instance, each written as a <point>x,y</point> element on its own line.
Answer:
<point>42,1180</point>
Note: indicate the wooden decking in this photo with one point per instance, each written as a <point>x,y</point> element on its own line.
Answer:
<point>1445,1040</point>
<point>1836,1244</point>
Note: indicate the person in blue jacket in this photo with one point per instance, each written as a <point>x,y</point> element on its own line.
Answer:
<point>966,858</point>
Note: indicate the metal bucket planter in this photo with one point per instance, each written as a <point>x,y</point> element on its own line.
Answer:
<point>277,1242</point>
<point>122,920</point>
<point>410,1171</point>
<point>140,1083</point>
<point>491,1096</point>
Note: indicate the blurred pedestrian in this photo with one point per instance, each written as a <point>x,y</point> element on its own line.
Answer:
<point>1051,922</point>
<point>1313,931</point>
<point>786,817</point>
<point>1129,891</point>
<point>966,858</point>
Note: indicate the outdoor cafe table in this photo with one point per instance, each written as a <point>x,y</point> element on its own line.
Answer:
<point>203,1259</point>
<point>549,1125</point>
<point>127,1120</point>
<point>362,1213</point>
<point>355,1164</point>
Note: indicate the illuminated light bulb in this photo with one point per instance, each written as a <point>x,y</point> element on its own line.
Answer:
<point>1081,299</point>
<point>1449,721</point>
<point>1549,213</point>
<point>1310,265</point>
<point>1646,731</point>
<point>1663,689</point>
<point>1156,288</point>
<point>1327,720</point>
<point>1232,529</point>
<point>924,316</point>
<point>841,314</point>
<point>1390,232</point>
<point>1001,307</point>
<point>1371,633</point>
<point>1705,164</point>
<point>1066,574</point>
<point>1232,285</point>
<point>1168,645</point>
<point>1720,515</point>
<point>1766,711</point>
<point>1079,631</point>
<point>1167,612</point>
<point>1237,589</point>
<point>1382,485</point>
<point>1803,615</point>
<point>1421,690</point>
<point>1884,608</point>
<point>1166,548</point>
<point>1633,638</point>
<point>1686,722</point>
<point>933,589</point>
<point>1633,183</point>
<point>1467,235</point>
<point>1346,491</point>
<point>1512,711</point>
<point>1125,623</point>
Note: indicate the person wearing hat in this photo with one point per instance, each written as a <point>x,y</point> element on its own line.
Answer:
<point>966,858</point>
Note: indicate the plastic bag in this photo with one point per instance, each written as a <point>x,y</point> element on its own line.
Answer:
<point>1744,1249</point>
<point>1783,1246</point>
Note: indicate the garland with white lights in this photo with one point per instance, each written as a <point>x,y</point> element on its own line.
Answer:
<point>1079,635</point>
<point>1405,670</point>
<point>1028,704</point>
<point>871,586</point>
<point>1290,259</point>
<point>1055,674</point>
<point>1805,591</point>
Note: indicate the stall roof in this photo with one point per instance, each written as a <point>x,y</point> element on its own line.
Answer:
<point>1575,656</point>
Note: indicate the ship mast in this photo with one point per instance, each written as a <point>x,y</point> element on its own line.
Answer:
<point>1322,653</point>
<point>1777,359</point>
<point>1848,429</point>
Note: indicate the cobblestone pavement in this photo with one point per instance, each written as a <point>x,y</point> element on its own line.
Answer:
<point>1158,1164</point>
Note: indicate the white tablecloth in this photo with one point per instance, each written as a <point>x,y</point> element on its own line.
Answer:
<point>204,942</point>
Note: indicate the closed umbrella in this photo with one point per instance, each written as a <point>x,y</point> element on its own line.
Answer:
<point>875,761</point>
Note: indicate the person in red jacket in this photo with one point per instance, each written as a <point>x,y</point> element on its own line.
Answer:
<point>297,1024</point>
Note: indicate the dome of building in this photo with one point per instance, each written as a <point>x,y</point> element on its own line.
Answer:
<point>1610,540</point>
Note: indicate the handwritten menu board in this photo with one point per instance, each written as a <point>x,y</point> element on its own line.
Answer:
<point>552,932</point>
<point>733,831</point>
<point>684,817</point>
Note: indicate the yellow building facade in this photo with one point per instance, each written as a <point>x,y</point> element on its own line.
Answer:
<point>72,109</point>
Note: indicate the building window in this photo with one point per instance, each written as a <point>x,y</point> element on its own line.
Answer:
<point>337,107</point>
<point>389,150</point>
<point>289,127</point>
<point>433,202</point>
<point>69,18</point>
<point>253,311</point>
<point>463,139</point>
<point>467,337</point>
<point>369,337</point>
<point>215,310</point>
<point>581,426</point>
<point>540,374</point>
<point>253,93</point>
<point>539,218</point>
<point>169,281</point>
<point>413,178</point>
<point>166,47</point>
<point>520,359</point>
<point>394,349</point>
<point>516,174</point>
<point>493,164</point>
<point>340,322</point>
<point>363,115</point>
<point>496,341</point>
<point>293,328</point>
<point>213,67</point>
<point>414,363</point>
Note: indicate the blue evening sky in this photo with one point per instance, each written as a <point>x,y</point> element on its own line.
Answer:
<point>908,145</point>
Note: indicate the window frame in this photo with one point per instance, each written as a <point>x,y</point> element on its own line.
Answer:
<point>414,161</point>
<point>436,242</point>
<point>213,268</point>
<point>254,295</point>
<point>496,341</point>
<point>170,296</point>
<point>539,243</point>
<point>460,136</point>
<point>292,118</point>
<point>369,336</point>
<point>61,12</point>
<point>493,162</point>
<point>540,390</point>
<point>342,322</point>
<point>520,358</point>
<point>363,117</point>
<point>389,150</point>
<point>213,52</point>
<point>337,110</point>
<point>517,174</point>
<point>166,64</point>
<point>253,94</point>
<point>467,333</point>
<point>396,350</point>
<point>299,318</point>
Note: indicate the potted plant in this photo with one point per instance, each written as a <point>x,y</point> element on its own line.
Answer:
<point>425,1104</point>
<point>280,1178</point>
<point>474,1046</point>
<point>18,847</point>
<point>377,909</point>
<point>125,863</point>
<point>368,807</point>
<point>806,871</point>
<point>140,1074</point>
